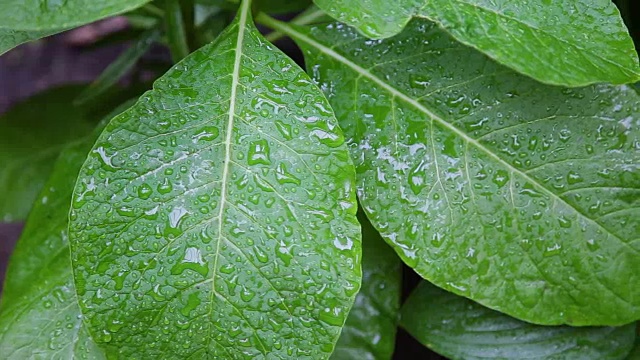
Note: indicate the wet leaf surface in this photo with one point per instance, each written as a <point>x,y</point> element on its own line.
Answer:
<point>462,329</point>
<point>216,218</point>
<point>521,196</point>
<point>571,43</point>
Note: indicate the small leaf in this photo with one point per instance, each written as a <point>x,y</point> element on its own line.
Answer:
<point>47,15</point>
<point>370,330</point>
<point>458,328</point>
<point>571,43</point>
<point>31,136</point>
<point>119,67</point>
<point>12,38</point>
<point>521,196</point>
<point>216,218</point>
<point>39,314</point>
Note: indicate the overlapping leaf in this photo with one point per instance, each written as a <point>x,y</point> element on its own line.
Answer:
<point>39,313</point>
<point>521,196</point>
<point>570,43</point>
<point>462,329</point>
<point>216,218</point>
<point>370,330</point>
<point>46,15</point>
<point>32,134</point>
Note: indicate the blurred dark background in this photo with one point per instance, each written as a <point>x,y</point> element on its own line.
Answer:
<point>80,55</point>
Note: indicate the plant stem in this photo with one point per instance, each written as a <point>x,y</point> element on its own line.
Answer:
<point>188,16</point>
<point>307,17</point>
<point>175,30</point>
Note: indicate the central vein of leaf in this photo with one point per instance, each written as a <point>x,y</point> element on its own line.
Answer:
<point>244,13</point>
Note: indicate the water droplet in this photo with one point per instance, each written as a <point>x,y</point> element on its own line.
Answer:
<point>144,191</point>
<point>165,187</point>
<point>564,222</point>
<point>574,178</point>
<point>192,303</point>
<point>259,153</point>
<point>284,177</point>
<point>500,178</point>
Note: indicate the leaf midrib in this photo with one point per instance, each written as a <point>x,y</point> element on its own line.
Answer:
<point>235,81</point>
<point>399,94</point>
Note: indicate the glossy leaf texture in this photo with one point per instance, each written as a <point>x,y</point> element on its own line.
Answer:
<point>32,134</point>
<point>370,330</point>
<point>12,38</point>
<point>521,196</point>
<point>570,43</point>
<point>45,15</point>
<point>217,217</point>
<point>39,312</point>
<point>459,328</point>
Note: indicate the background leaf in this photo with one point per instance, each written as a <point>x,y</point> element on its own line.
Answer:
<point>571,43</point>
<point>370,330</point>
<point>32,134</point>
<point>119,67</point>
<point>39,313</point>
<point>521,196</point>
<point>43,15</point>
<point>462,329</point>
<point>216,218</point>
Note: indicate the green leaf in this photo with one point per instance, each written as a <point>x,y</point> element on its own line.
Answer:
<point>32,134</point>
<point>370,330</point>
<point>521,196</point>
<point>571,43</point>
<point>376,19</point>
<point>12,38</point>
<point>459,328</point>
<point>119,67</point>
<point>216,218</point>
<point>46,15</point>
<point>39,314</point>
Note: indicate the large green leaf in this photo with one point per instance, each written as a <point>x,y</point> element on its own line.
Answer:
<point>48,15</point>
<point>462,329</point>
<point>31,136</point>
<point>521,196</point>
<point>370,330</point>
<point>216,217</point>
<point>570,43</point>
<point>39,313</point>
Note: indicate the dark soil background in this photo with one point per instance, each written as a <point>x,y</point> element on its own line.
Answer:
<point>71,58</point>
